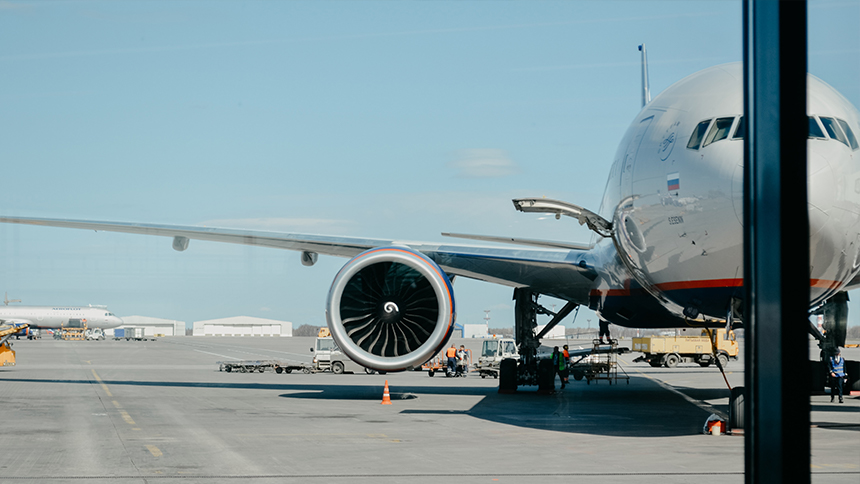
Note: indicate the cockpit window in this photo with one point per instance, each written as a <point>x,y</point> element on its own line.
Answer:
<point>698,134</point>
<point>849,134</point>
<point>833,130</point>
<point>720,130</point>
<point>739,131</point>
<point>815,129</point>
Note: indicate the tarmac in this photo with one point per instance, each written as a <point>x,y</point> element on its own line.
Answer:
<point>162,412</point>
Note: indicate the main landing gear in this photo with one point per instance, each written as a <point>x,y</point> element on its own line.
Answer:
<point>528,370</point>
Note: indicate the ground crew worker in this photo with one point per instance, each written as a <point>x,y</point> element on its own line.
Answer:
<point>837,375</point>
<point>604,329</point>
<point>463,356</point>
<point>558,366</point>
<point>452,359</point>
<point>566,355</point>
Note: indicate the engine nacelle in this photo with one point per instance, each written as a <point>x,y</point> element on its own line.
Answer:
<point>391,308</point>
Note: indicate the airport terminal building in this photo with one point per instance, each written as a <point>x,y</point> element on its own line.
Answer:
<point>242,326</point>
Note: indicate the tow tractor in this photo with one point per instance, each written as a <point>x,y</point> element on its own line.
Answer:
<point>493,351</point>
<point>328,356</point>
<point>7,354</point>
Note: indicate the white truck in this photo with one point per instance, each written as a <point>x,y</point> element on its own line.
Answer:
<point>327,356</point>
<point>493,351</point>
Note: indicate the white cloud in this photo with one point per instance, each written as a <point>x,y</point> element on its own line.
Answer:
<point>483,163</point>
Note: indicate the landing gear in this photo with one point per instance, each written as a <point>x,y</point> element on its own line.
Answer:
<point>736,408</point>
<point>529,370</point>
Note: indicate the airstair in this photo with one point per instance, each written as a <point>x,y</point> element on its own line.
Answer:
<point>604,363</point>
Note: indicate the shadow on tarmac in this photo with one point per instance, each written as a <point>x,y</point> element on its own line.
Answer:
<point>640,409</point>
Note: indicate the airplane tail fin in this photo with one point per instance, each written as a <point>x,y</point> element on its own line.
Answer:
<point>646,92</point>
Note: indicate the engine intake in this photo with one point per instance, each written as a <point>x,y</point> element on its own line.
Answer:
<point>390,309</point>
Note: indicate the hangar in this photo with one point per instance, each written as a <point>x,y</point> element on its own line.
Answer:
<point>242,326</point>
<point>152,326</point>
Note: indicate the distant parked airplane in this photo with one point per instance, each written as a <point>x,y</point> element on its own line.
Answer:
<point>47,317</point>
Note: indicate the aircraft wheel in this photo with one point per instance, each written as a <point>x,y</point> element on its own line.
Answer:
<point>508,376</point>
<point>337,368</point>
<point>430,373</point>
<point>672,361</point>
<point>736,408</point>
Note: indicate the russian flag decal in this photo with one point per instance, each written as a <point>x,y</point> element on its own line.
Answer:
<point>674,181</point>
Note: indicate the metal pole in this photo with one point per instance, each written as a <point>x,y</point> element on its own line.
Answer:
<point>776,243</point>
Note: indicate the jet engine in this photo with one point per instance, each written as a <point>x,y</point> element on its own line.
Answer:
<point>390,309</point>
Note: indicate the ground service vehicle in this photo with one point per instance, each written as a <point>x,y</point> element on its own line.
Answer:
<point>7,354</point>
<point>493,351</point>
<point>327,356</point>
<point>95,334</point>
<point>668,351</point>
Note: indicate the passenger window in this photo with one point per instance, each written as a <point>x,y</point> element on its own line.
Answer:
<point>698,134</point>
<point>834,131</point>
<point>739,131</point>
<point>815,129</point>
<point>720,130</point>
<point>850,134</point>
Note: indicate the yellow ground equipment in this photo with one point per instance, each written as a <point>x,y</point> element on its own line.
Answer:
<point>324,333</point>
<point>670,350</point>
<point>7,354</point>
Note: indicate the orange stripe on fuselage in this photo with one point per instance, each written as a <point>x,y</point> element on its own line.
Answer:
<point>704,284</point>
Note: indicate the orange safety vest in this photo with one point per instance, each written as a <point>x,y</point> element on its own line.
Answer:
<point>452,353</point>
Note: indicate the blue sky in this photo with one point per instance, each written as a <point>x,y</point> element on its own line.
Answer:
<point>378,119</point>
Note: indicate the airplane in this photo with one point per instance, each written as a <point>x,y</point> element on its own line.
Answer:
<point>55,317</point>
<point>666,249</point>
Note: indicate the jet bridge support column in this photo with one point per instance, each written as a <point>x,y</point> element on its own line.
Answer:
<point>776,243</point>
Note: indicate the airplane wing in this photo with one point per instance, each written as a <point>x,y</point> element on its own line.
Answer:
<point>21,323</point>
<point>515,267</point>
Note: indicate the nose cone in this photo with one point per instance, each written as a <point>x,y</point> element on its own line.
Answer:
<point>114,321</point>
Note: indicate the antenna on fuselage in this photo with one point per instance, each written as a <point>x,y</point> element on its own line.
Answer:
<point>646,93</point>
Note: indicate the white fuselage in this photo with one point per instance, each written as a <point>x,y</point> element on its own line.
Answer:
<point>678,210</point>
<point>48,317</point>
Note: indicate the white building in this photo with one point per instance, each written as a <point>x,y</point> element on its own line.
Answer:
<point>555,333</point>
<point>152,326</point>
<point>242,326</point>
<point>476,330</point>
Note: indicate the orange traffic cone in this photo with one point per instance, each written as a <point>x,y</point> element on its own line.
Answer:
<point>386,397</point>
